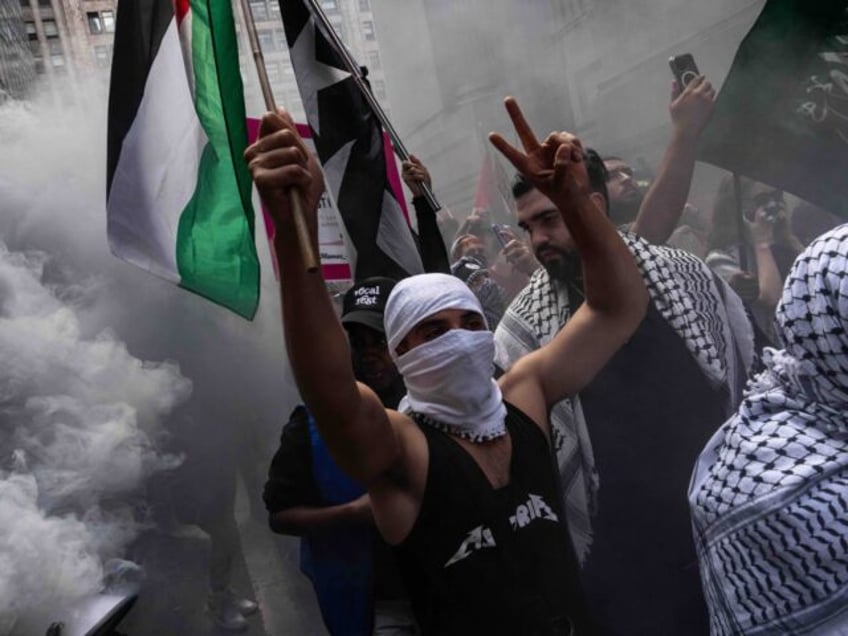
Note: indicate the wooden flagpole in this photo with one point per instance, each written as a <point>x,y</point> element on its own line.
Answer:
<point>310,260</point>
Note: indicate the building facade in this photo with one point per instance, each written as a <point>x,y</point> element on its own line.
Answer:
<point>70,38</point>
<point>595,67</point>
<point>351,19</point>
<point>74,38</point>
<point>17,66</point>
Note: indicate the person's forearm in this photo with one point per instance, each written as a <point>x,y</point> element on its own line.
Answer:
<point>611,280</point>
<point>305,520</point>
<point>434,254</point>
<point>317,347</point>
<point>768,276</point>
<point>663,204</point>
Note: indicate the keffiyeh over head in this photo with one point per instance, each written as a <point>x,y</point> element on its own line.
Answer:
<point>770,494</point>
<point>449,378</point>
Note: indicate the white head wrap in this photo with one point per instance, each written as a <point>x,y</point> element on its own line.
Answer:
<point>448,379</point>
<point>418,297</point>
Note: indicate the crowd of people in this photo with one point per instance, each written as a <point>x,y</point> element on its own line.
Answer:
<point>606,419</point>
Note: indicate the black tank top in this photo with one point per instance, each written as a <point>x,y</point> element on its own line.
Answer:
<point>481,560</point>
<point>650,411</point>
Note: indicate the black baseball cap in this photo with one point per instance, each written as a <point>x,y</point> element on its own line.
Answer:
<point>365,302</point>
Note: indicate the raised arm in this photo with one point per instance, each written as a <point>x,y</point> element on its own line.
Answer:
<point>663,204</point>
<point>349,416</point>
<point>431,245</point>
<point>616,298</point>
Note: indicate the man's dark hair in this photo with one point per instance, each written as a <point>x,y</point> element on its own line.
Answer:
<point>595,168</point>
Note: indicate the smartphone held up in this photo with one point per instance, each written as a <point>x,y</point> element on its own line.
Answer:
<point>684,68</point>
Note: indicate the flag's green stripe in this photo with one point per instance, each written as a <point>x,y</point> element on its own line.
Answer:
<point>216,253</point>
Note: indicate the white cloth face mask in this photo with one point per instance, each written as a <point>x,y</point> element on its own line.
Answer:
<point>449,381</point>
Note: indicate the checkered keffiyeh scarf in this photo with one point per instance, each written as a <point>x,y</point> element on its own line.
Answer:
<point>769,496</point>
<point>699,307</point>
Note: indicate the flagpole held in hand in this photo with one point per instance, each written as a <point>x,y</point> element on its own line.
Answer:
<point>310,260</point>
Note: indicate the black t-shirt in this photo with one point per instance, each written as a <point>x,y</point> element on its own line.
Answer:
<point>492,561</point>
<point>290,479</point>
<point>649,412</point>
<point>291,483</point>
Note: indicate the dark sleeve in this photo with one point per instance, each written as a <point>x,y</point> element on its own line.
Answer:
<point>290,480</point>
<point>434,254</point>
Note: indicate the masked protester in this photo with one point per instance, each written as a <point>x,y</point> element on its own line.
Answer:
<point>769,495</point>
<point>459,477</point>
<point>352,570</point>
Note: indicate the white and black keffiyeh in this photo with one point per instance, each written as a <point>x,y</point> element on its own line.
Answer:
<point>769,496</point>
<point>700,308</point>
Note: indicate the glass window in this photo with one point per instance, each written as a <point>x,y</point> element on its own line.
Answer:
<point>329,5</point>
<point>57,60</point>
<point>380,89</point>
<point>266,40</point>
<point>364,5</point>
<point>373,60</point>
<point>31,32</point>
<point>103,56</point>
<point>45,3</point>
<point>260,10</point>
<point>368,30</point>
<point>50,29</point>
<point>55,46</point>
<point>95,25</point>
<point>274,10</point>
<point>108,18</point>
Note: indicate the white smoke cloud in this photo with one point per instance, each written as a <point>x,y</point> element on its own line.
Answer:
<point>79,419</point>
<point>81,414</point>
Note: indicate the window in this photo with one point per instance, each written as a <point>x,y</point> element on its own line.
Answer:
<point>379,89</point>
<point>54,45</point>
<point>108,21</point>
<point>373,60</point>
<point>95,25</point>
<point>45,3</point>
<point>329,5</point>
<point>32,34</point>
<point>368,30</point>
<point>50,29</point>
<point>364,5</point>
<point>260,10</point>
<point>103,56</point>
<point>100,22</point>
<point>274,10</point>
<point>266,40</point>
<point>274,75</point>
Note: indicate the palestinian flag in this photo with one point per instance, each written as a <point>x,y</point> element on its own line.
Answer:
<point>178,189</point>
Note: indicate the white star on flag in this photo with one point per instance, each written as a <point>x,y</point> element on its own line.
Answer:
<point>315,75</point>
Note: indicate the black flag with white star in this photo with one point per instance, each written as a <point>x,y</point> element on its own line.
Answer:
<point>349,142</point>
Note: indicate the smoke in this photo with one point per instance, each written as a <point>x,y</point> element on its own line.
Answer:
<point>102,364</point>
<point>79,420</point>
